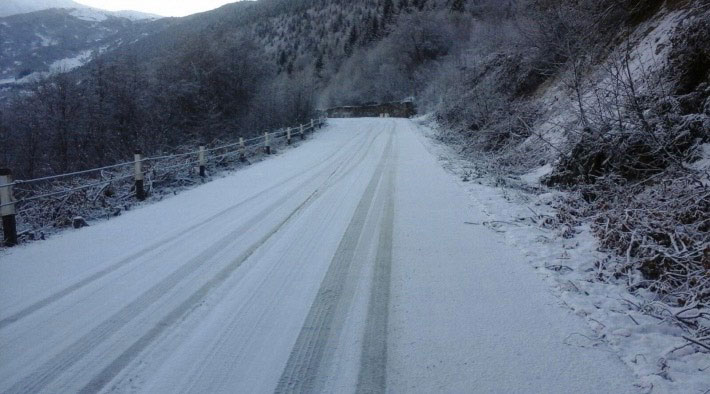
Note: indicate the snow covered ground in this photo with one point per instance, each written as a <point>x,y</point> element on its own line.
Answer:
<point>662,361</point>
<point>347,264</point>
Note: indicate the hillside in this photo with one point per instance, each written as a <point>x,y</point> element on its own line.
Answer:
<point>46,42</point>
<point>13,7</point>
<point>198,77</point>
<point>16,7</point>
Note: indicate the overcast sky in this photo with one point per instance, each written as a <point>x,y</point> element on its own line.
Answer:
<point>160,7</point>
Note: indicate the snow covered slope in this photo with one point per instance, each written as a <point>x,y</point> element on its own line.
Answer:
<point>15,7</point>
<point>343,265</point>
<point>50,41</point>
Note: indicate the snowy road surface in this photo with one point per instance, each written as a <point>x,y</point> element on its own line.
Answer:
<point>342,265</point>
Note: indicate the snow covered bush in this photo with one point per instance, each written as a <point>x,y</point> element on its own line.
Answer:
<point>633,176</point>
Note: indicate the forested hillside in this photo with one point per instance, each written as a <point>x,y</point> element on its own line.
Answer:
<point>52,41</point>
<point>14,7</point>
<point>216,75</point>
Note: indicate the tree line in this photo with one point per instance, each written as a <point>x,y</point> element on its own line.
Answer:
<point>211,89</point>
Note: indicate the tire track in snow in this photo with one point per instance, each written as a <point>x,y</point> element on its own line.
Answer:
<point>219,348</point>
<point>69,356</point>
<point>182,234</point>
<point>118,364</point>
<point>51,369</point>
<point>372,377</point>
<point>306,362</point>
<point>107,374</point>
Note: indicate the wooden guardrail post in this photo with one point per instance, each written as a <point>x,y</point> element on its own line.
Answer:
<point>138,176</point>
<point>311,124</point>
<point>303,136</point>
<point>242,150</point>
<point>288,136</point>
<point>7,209</point>
<point>267,143</point>
<point>201,159</point>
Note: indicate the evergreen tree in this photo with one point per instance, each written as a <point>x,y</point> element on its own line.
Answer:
<point>319,66</point>
<point>351,41</point>
<point>374,34</point>
<point>387,11</point>
<point>420,4</point>
<point>458,5</point>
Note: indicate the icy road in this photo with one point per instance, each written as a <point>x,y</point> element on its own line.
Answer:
<point>343,265</point>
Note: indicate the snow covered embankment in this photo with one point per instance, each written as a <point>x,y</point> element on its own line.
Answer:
<point>568,258</point>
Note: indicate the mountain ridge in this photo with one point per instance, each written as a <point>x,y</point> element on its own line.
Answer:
<point>41,43</point>
<point>17,7</point>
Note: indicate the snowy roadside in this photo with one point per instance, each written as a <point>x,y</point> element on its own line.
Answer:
<point>114,196</point>
<point>519,208</point>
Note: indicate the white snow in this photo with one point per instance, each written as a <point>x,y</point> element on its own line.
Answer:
<point>46,41</point>
<point>135,15</point>
<point>208,291</point>
<point>89,14</point>
<point>58,66</point>
<point>68,64</point>
<point>649,348</point>
<point>703,164</point>
<point>97,15</point>
<point>534,176</point>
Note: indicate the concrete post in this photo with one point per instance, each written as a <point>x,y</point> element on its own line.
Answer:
<point>201,158</point>
<point>138,167</point>
<point>288,136</point>
<point>7,211</point>
<point>242,150</point>
<point>267,143</point>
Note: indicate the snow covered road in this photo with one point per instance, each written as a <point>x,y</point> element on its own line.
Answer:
<point>343,265</point>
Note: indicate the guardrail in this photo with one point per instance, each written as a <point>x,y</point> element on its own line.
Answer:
<point>141,167</point>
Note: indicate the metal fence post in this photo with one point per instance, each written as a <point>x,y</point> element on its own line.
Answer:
<point>242,150</point>
<point>288,136</point>
<point>267,143</point>
<point>138,167</point>
<point>201,158</point>
<point>7,209</point>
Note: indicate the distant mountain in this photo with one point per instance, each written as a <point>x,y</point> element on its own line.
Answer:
<point>15,7</point>
<point>41,43</point>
